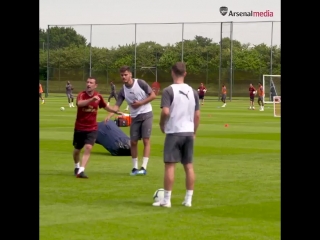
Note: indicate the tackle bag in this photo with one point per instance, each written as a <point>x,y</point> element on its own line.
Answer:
<point>113,139</point>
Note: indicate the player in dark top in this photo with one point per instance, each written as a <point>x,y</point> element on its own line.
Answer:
<point>85,129</point>
<point>113,93</point>
<point>69,89</point>
<point>252,92</point>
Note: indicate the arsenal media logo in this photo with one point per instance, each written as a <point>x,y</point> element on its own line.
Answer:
<point>223,10</point>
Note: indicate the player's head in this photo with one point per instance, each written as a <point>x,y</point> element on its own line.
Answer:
<point>251,85</point>
<point>68,82</point>
<point>201,84</point>
<point>111,83</point>
<point>259,84</point>
<point>125,73</point>
<point>178,70</point>
<point>223,85</point>
<point>91,84</point>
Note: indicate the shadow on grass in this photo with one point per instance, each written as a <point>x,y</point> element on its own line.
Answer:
<point>91,174</point>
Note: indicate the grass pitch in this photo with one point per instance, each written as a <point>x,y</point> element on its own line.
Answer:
<point>237,190</point>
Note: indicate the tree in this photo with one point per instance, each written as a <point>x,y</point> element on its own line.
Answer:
<point>60,37</point>
<point>69,50</point>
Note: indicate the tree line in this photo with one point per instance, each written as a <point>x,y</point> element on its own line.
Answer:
<point>70,50</point>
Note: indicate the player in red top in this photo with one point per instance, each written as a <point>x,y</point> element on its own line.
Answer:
<point>202,90</point>
<point>252,92</point>
<point>86,126</point>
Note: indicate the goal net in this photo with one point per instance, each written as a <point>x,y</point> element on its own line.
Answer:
<point>277,106</point>
<point>272,87</point>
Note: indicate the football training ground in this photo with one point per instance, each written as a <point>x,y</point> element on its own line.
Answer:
<point>237,189</point>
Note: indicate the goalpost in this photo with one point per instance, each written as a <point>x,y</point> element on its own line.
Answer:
<point>155,85</point>
<point>277,106</point>
<point>272,87</point>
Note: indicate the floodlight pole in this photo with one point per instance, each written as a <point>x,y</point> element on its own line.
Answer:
<point>48,74</point>
<point>220,58</point>
<point>135,49</point>
<point>90,50</point>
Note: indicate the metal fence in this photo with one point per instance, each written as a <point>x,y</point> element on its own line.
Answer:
<point>216,53</point>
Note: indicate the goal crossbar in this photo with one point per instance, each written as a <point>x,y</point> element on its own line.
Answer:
<point>151,70</point>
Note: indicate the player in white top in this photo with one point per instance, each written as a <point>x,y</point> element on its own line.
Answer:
<point>138,94</point>
<point>179,120</point>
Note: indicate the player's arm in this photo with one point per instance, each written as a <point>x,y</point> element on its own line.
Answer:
<point>117,106</point>
<point>196,113</point>
<point>166,100</point>
<point>82,103</point>
<point>103,104</point>
<point>148,90</point>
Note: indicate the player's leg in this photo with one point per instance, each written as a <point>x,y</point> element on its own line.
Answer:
<point>262,104</point>
<point>78,143</point>
<point>89,140</point>
<point>187,161</point>
<point>252,103</point>
<point>146,129</point>
<point>115,97</point>
<point>110,96</point>
<point>71,99</point>
<point>135,136</point>
<point>127,108</point>
<point>224,100</point>
<point>40,96</point>
<point>202,100</point>
<point>171,155</point>
<point>259,102</point>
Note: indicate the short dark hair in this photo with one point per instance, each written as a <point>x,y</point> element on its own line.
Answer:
<point>93,78</point>
<point>260,83</point>
<point>125,68</point>
<point>179,69</point>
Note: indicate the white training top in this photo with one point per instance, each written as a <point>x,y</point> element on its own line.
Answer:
<point>136,93</point>
<point>182,110</point>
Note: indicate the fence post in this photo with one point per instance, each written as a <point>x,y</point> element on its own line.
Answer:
<point>48,74</point>
<point>231,58</point>
<point>182,41</point>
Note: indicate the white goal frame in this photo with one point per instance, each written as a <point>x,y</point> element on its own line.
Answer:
<point>151,70</point>
<point>264,87</point>
<point>274,105</point>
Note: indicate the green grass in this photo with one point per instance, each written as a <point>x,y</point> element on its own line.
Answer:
<point>237,190</point>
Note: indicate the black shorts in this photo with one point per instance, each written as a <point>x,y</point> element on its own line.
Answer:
<point>251,98</point>
<point>201,97</point>
<point>80,138</point>
<point>40,95</point>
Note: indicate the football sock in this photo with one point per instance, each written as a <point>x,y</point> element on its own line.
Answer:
<point>81,169</point>
<point>145,162</point>
<point>135,163</point>
<point>167,196</point>
<point>77,165</point>
<point>189,194</point>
